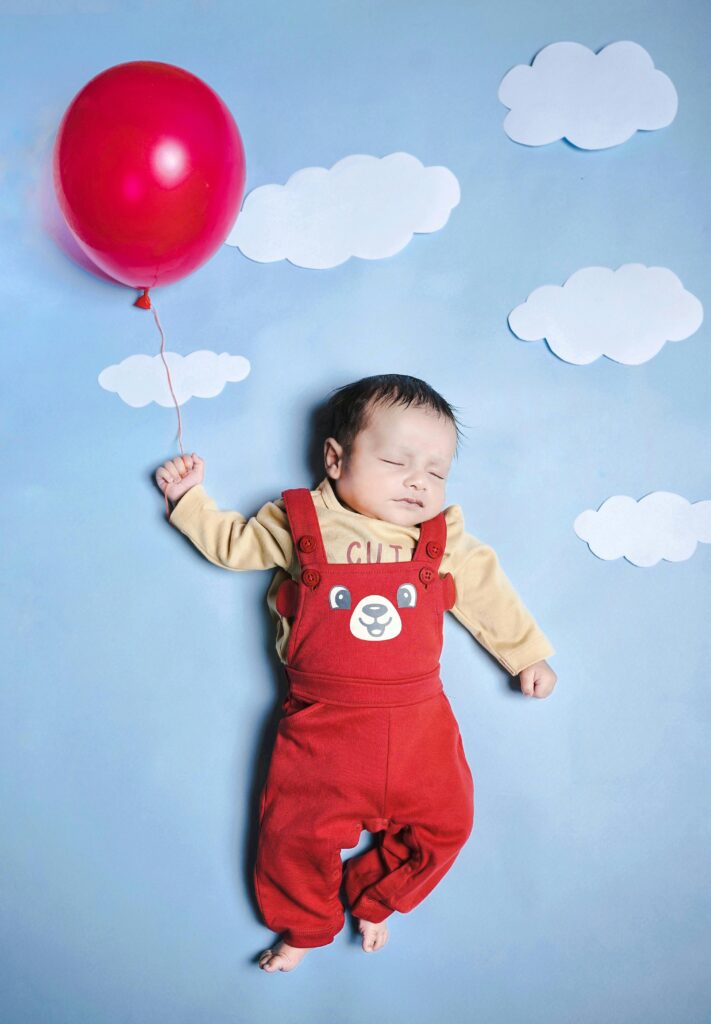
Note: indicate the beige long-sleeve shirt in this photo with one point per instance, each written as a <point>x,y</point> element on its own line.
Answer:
<point>486,603</point>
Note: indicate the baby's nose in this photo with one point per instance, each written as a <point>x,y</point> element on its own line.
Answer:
<point>415,480</point>
<point>374,610</point>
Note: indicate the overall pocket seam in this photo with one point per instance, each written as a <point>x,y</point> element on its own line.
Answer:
<point>301,712</point>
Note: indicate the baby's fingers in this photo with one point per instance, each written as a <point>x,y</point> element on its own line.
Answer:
<point>171,471</point>
<point>163,478</point>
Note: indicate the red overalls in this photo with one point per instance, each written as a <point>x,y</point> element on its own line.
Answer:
<point>368,740</point>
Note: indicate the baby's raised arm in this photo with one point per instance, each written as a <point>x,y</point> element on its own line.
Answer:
<point>178,475</point>
<point>226,538</point>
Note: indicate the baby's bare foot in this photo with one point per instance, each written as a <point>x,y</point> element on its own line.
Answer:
<point>374,935</point>
<point>282,958</point>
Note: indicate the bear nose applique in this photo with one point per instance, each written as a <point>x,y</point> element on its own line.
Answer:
<point>374,610</point>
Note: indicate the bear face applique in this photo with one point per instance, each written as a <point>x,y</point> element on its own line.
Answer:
<point>374,616</point>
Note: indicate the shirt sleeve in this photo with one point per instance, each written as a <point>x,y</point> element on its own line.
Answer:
<point>487,604</point>
<point>229,539</point>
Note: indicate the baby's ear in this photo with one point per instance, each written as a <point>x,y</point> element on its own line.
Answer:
<point>332,457</point>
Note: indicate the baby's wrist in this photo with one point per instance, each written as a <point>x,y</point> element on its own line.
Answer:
<point>182,494</point>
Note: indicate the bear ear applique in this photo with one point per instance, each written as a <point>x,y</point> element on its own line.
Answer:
<point>449,591</point>
<point>287,599</point>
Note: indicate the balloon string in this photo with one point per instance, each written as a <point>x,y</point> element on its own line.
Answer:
<point>177,405</point>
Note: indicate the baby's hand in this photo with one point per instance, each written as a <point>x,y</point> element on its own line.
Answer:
<point>537,680</point>
<point>178,475</point>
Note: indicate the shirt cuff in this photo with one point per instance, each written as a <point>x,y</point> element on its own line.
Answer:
<point>518,660</point>
<point>187,506</point>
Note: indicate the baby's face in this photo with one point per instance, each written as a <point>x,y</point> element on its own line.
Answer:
<point>398,466</point>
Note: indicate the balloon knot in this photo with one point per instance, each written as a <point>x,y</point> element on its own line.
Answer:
<point>143,301</point>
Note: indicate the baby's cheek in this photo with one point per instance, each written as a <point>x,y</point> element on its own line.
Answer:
<point>437,496</point>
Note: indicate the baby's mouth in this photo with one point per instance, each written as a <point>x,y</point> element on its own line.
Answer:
<point>410,501</point>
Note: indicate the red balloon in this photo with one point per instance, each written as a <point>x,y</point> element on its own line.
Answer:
<point>149,172</point>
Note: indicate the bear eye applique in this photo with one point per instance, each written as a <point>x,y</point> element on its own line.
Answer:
<point>340,597</point>
<point>406,596</point>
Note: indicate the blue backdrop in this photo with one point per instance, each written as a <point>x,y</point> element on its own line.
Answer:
<point>140,687</point>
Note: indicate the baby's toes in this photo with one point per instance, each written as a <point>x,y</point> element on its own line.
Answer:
<point>271,961</point>
<point>267,960</point>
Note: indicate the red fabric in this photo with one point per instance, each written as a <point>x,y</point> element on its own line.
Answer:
<point>368,740</point>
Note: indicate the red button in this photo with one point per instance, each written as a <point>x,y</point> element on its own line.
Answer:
<point>433,549</point>
<point>306,543</point>
<point>311,578</point>
<point>426,575</point>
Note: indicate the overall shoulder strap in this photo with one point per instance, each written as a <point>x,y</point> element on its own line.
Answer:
<point>304,526</point>
<point>432,542</point>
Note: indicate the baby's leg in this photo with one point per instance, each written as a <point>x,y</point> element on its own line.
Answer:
<point>432,814</point>
<point>313,807</point>
<point>405,867</point>
<point>297,880</point>
<point>305,822</point>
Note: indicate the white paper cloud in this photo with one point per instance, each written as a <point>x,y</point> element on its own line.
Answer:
<point>660,525</point>
<point>626,314</point>
<point>363,206</point>
<point>593,100</point>
<point>142,379</point>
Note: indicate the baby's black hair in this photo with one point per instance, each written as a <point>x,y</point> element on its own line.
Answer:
<point>346,409</point>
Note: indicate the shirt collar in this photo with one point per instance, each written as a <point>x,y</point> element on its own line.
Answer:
<point>330,500</point>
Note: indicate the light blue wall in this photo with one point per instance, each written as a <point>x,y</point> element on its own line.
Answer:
<point>140,694</point>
